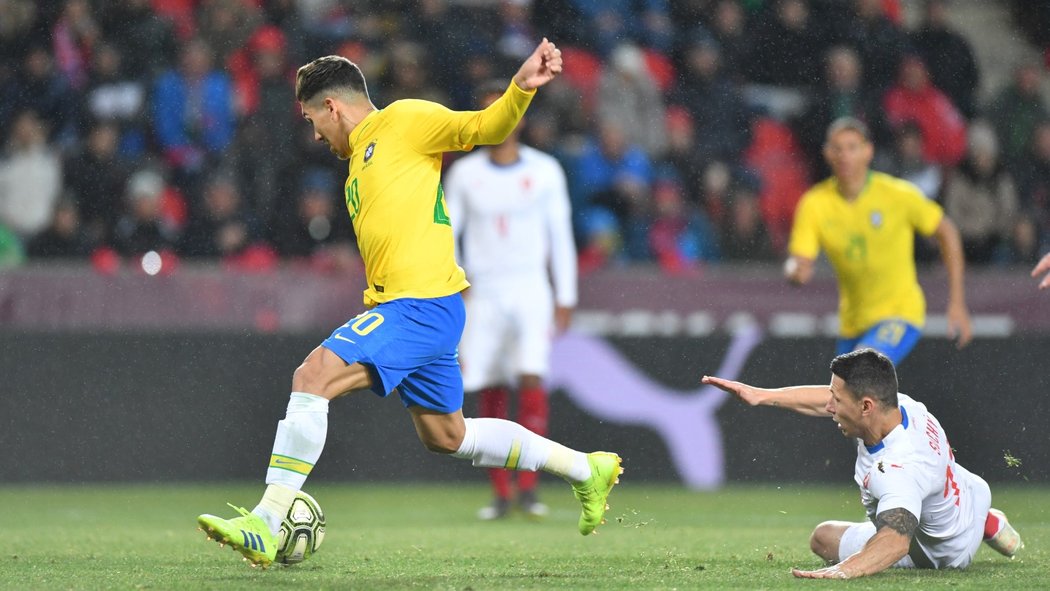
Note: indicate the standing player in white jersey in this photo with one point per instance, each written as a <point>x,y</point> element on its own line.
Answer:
<point>924,510</point>
<point>511,215</point>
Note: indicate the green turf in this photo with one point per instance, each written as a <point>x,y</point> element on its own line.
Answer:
<point>426,537</point>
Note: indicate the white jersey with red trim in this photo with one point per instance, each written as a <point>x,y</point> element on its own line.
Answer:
<point>515,222</point>
<point>914,468</point>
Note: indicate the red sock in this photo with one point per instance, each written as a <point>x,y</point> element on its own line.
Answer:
<point>493,404</point>
<point>991,526</point>
<point>532,414</point>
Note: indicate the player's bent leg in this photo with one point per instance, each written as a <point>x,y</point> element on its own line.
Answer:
<point>827,538</point>
<point>494,443</point>
<point>1000,535</point>
<point>297,446</point>
<point>325,374</point>
<point>533,411</point>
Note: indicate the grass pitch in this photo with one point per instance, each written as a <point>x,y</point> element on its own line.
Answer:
<point>426,537</point>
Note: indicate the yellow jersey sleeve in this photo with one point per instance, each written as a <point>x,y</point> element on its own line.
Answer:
<point>436,128</point>
<point>805,230</point>
<point>925,214</point>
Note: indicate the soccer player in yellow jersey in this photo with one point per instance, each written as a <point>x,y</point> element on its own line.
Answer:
<point>866,222</point>
<point>406,339</point>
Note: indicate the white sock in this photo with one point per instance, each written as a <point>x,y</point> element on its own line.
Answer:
<point>497,443</point>
<point>296,448</point>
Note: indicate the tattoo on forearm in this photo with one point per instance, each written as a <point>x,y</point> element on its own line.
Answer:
<point>899,520</point>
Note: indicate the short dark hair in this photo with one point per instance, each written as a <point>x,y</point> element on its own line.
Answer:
<point>867,372</point>
<point>329,73</point>
<point>850,123</point>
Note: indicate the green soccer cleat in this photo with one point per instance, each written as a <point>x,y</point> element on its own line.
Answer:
<point>247,534</point>
<point>593,492</point>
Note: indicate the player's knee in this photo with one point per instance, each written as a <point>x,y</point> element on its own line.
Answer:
<point>824,541</point>
<point>444,443</point>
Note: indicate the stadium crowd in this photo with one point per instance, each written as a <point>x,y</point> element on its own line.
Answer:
<point>688,129</point>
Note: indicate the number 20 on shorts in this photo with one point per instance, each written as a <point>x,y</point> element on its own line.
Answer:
<point>366,323</point>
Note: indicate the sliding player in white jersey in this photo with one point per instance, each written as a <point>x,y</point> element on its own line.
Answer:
<point>924,509</point>
<point>510,212</point>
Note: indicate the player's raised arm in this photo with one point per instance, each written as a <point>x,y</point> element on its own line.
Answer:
<point>539,68</point>
<point>952,254</point>
<point>1043,267</point>
<point>807,400</point>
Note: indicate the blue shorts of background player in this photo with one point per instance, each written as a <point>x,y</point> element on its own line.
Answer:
<point>893,338</point>
<point>411,345</point>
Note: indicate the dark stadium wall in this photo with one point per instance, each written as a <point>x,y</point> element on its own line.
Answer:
<point>203,407</point>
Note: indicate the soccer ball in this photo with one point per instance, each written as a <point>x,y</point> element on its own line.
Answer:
<point>302,530</point>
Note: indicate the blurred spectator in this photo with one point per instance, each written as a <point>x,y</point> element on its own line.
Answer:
<point>73,39</point>
<point>45,91</point>
<point>30,177</point>
<point>97,176</point>
<point>515,35</point>
<point>610,22</point>
<point>65,238</point>
<point>267,133</point>
<point>784,45</point>
<point>225,227</point>
<point>319,232</point>
<point>146,40</point>
<point>17,18</point>
<point>907,161</point>
<point>949,57</point>
<point>1032,235</point>
<point>407,76</point>
<point>1018,108</point>
<point>728,25</point>
<point>879,41</point>
<point>629,95</point>
<point>193,114</point>
<point>982,198</point>
<point>841,94</point>
<point>915,99</point>
<point>226,26</point>
<point>112,95</point>
<point>743,231</point>
<point>721,120</point>
<point>680,236</point>
<point>609,174</point>
<point>143,225</point>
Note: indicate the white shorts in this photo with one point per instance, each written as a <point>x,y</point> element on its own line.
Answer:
<point>955,552</point>
<point>507,334</point>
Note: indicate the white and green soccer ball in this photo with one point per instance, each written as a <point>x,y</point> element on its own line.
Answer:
<point>302,530</point>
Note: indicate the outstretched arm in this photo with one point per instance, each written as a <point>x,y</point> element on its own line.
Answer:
<point>894,530</point>
<point>952,254</point>
<point>540,68</point>
<point>1043,267</point>
<point>807,400</point>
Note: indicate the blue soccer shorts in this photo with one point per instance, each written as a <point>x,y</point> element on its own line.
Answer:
<point>408,344</point>
<point>893,338</point>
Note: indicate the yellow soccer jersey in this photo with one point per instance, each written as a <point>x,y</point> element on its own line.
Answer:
<point>394,195</point>
<point>870,243</point>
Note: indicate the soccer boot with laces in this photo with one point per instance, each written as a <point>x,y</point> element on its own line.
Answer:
<point>247,534</point>
<point>594,492</point>
<point>1006,541</point>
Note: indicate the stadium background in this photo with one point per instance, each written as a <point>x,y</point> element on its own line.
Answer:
<point>115,373</point>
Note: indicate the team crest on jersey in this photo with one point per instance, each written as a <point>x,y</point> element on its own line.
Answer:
<point>370,150</point>
<point>876,217</point>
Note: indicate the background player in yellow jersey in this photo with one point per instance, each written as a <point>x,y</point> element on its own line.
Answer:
<point>865,221</point>
<point>406,341</point>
